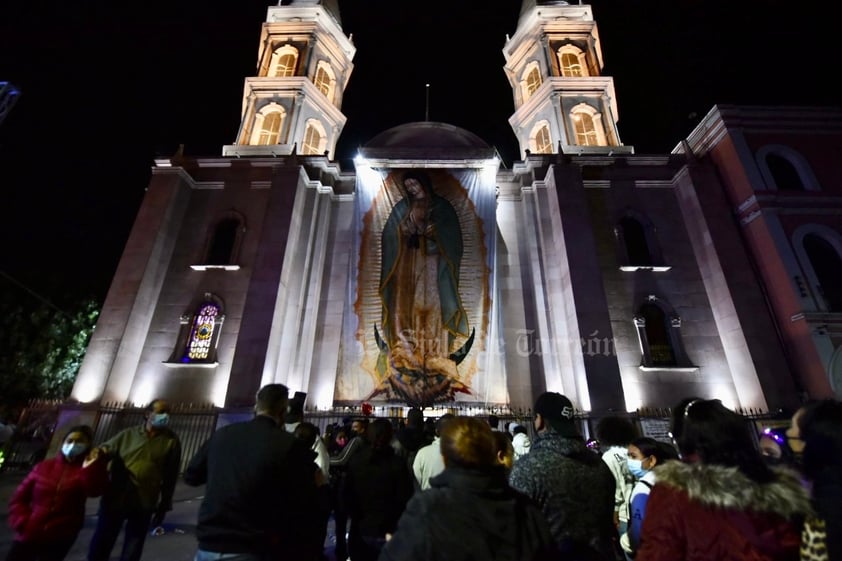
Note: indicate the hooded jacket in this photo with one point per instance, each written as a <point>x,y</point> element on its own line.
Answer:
<point>469,514</point>
<point>704,512</point>
<point>49,504</point>
<point>575,490</point>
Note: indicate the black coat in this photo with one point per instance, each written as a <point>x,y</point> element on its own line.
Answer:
<point>377,488</point>
<point>470,515</point>
<point>260,490</point>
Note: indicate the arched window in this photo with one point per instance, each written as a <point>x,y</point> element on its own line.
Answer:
<point>531,80</point>
<point>827,266</point>
<point>587,126</point>
<point>634,238</point>
<point>572,62</point>
<point>659,330</point>
<point>199,333</point>
<point>658,340</point>
<point>315,139</point>
<point>267,125</point>
<point>223,242</point>
<point>637,243</point>
<point>222,248</point>
<point>324,79</point>
<point>540,141</point>
<point>585,130</point>
<point>785,175</point>
<point>785,169</point>
<point>284,60</point>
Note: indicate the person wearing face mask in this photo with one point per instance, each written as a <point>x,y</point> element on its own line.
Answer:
<point>722,501</point>
<point>145,462</point>
<point>644,454</point>
<point>47,509</point>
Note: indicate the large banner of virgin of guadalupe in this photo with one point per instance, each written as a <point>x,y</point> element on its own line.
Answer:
<point>417,315</point>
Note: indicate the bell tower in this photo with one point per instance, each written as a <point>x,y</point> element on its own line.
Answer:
<point>554,63</point>
<point>303,66</point>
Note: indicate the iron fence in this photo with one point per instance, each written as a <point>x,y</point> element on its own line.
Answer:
<point>195,423</point>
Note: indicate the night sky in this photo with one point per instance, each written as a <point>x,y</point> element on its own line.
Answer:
<point>107,86</point>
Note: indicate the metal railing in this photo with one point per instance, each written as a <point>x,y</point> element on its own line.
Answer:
<point>195,423</point>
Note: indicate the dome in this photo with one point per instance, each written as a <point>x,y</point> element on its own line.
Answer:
<point>427,140</point>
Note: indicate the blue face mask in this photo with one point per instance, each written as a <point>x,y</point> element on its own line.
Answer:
<point>636,467</point>
<point>159,420</point>
<point>73,449</point>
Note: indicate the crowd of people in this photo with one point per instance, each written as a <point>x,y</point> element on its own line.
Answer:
<point>456,487</point>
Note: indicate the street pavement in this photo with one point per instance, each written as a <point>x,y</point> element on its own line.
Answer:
<point>178,543</point>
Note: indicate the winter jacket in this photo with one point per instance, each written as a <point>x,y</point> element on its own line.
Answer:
<point>615,458</point>
<point>467,515</point>
<point>699,512</point>
<point>49,504</point>
<point>637,511</point>
<point>575,490</point>
<point>377,488</point>
<point>260,495</point>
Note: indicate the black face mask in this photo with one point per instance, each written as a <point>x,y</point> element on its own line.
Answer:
<point>789,456</point>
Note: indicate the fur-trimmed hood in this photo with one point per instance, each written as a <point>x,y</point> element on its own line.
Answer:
<point>728,488</point>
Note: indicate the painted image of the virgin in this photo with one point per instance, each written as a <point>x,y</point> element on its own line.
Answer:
<point>422,312</point>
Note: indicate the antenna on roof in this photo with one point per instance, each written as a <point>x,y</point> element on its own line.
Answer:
<point>427,104</point>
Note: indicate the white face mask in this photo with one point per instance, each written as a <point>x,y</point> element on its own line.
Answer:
<point>636,467</point>
<point>159,420</point>
<point>73,449</point>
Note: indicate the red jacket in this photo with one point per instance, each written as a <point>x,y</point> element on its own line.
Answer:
<point>49,504</point>
<point>713,513</point>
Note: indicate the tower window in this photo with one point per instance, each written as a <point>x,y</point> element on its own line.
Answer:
<point>571,61</point>
<point>284,61</point>
<point>268,123</point>
<point>540,141</point>
<point>270,129</point>
<point>314,138</point>
<point>585,130</point>
<point>324,79</point>
<point>531,80</point>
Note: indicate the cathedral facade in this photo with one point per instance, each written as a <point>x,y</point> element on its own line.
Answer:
<point>430,275</point>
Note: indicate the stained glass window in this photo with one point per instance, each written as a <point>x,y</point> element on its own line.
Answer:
<point>199,345</point>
